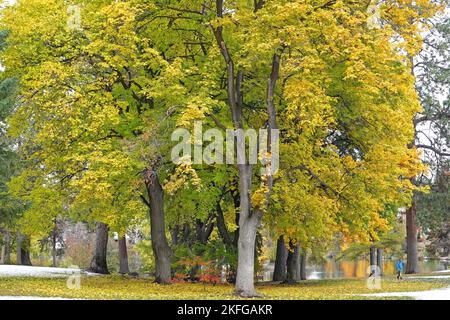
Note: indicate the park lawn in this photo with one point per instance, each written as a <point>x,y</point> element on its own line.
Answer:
<point>120,287</point>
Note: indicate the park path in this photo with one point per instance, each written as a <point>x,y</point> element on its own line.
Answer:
<point>435,294</point>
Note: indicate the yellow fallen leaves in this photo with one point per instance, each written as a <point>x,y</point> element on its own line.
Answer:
<point>118,287</point>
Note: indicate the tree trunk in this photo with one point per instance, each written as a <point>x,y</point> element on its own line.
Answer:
<point>160,245</point>
<point>123,256</point>
<point>222,227</point>
<point>293,264</point>
<point>7,243</point>
<point>372,256</point>
<point>2,256</point>
<point>373,259</point>
<point>355,268</point>
<point>412,260</point>
<point>203,230</point>
<point>249,219</point>
<point>25,251</point>
<point>303,265</point>
<point>174,234</point>
<point>186,235</point>
<point>249,224</point>
<point>18,248</point>
<point>279,272</point>
<point>380,260</point>
<point>98,262</point>
<point>54,248</point>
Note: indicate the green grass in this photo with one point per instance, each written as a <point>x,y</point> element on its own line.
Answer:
<point>120,287</point>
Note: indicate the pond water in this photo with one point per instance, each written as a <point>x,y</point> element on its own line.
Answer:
<point>332,269</point>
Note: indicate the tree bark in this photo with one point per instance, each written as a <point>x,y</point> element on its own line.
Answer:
<point>293,264</point>
<point>303,265</point>
<point>7,243</point>
<point>23,247</point>
<point>2,256</point>
<point>380,260</point>
<point>98,262</point>
<point>123,256</point>
<point>54,248</point>
<point>412,259</point>
<point>26,258</point>
<point>249,224</point>
<point>222,227</point>
<point>279,272</point>
<point>160,245</point>
<point>174,234</point>
<point>18,249</point>
<point>355,268</point>
<point>203,230</point>
<point>372,256</point>
<point>373,259</point>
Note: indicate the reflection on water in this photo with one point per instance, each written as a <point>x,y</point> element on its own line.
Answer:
<point>332,269</point>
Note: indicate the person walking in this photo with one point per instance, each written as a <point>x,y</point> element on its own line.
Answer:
<point>399,267</point>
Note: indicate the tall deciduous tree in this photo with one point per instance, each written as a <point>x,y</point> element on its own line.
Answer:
<point>432,131</point>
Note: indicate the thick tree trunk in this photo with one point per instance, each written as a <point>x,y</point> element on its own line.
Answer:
<point>249,223</point>
<point>160,245</point>
<point>380,260</point>
<point>293,264</point>
<point>98,262</point>
<point>412,259</point>
<point>303,265</point>
<point>279,272</point>
<point>123,256</point>
<point>246,254</point>
<point>25,251</point>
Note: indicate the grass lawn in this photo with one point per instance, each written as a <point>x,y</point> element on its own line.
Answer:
<point>122,287</point>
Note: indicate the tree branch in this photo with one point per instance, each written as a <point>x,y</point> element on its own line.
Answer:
<point>436,151</point>
<point>322,183</point>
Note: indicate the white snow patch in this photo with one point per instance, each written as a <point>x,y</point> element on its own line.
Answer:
<point>42,272</point>
<point>435,294</point>
<point>442,271</point>
<point>32,298</point>
<point>428,277</point>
